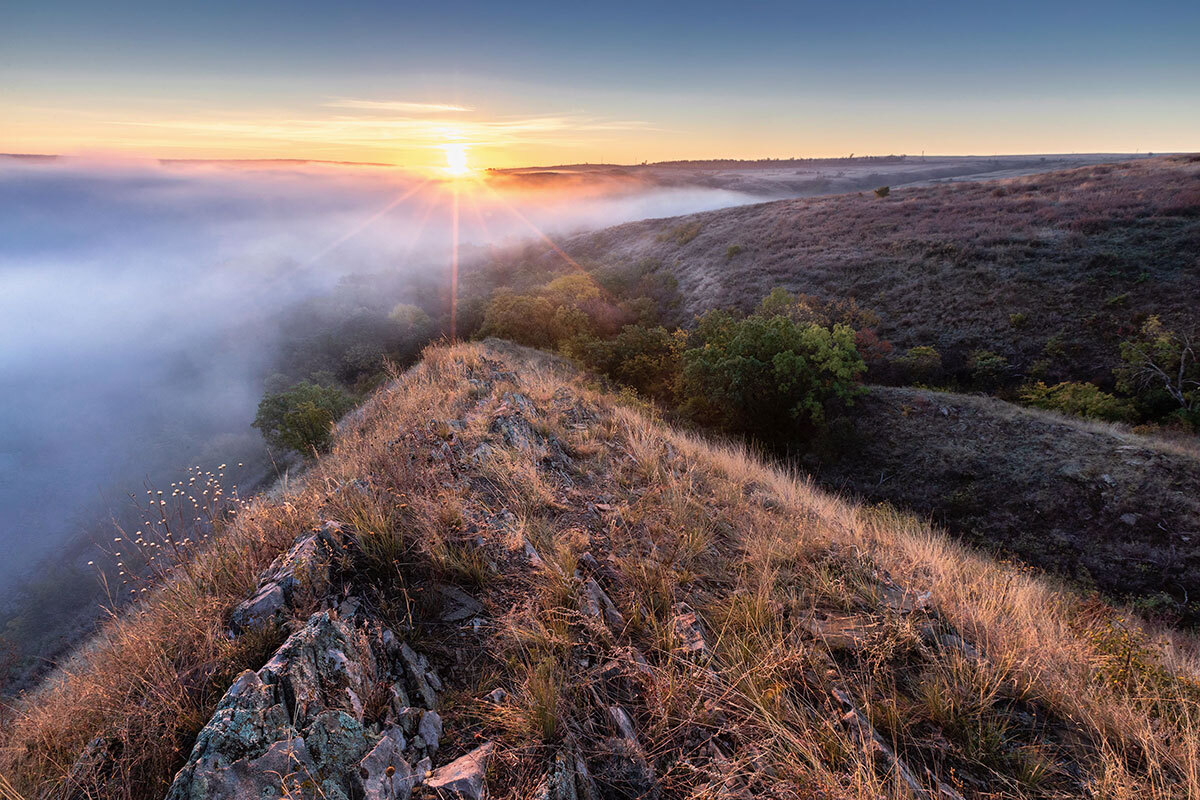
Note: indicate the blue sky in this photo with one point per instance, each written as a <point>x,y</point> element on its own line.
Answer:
<point>620,81</point>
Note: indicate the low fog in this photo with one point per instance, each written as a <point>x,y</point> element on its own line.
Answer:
<point>137,299</point>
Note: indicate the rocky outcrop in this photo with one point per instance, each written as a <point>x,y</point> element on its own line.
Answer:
<point>305,567</point>
<point>330,715</point>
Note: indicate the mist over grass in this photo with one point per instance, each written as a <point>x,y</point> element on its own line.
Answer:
<point>139,306</point>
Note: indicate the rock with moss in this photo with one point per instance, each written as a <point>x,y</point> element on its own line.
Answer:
<point>300,726</point>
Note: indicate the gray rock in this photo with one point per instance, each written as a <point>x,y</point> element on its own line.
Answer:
<point>620,718</point>
<point>463,777</point>
<point>417,667</point>
<point>261,607</point>
<point>598,604</point>
<point>408,719</point>
<point>398,698</point>
<point>383,774</point>
<point>430,729</point>
<point>457,605</point>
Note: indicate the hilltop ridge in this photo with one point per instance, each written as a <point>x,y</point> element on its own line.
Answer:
<point>505,580</point>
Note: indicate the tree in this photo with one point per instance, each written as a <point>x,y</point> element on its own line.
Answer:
<point>522,318</point>
<point>763,374</point>
<point>1158,360</point>
<point>642,357</point>
<point>301,418</point>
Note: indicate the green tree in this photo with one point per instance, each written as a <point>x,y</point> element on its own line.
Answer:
<point>411,321</point>
<point>987,368</point>
<point>766,374</point>
<point>645,358</point>
<point>522,318</point>
<point>301,418</point>
<point>1163,367</point>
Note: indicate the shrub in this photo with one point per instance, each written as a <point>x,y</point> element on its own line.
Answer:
<point>1163,368</point>
<point>523,318</point>
<point>1077,399</point>
<point>765,375</point>
<point>733,250</point>
<point>681,234</point>
<point>411,320</point>
<point>987,368</point>
<point>1017,320</point>
<point>923,363</point>
<point>883,191</point>
<point>647,359</point>
<point>301,418</point>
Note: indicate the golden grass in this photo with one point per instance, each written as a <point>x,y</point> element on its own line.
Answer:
<point>672,518</point>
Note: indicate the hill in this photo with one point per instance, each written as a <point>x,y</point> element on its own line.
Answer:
<point>1110,509</point>
<point>502,579</point>
<point>1049,270</point>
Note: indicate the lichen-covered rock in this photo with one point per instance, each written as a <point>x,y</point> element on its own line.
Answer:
<point>298,726</point>
<point>304,567</point>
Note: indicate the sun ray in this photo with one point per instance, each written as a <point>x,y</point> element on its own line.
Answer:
<point>367,222</point>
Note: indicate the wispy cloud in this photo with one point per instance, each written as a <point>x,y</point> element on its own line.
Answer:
<point>398,106</point>
<point>430,130</point>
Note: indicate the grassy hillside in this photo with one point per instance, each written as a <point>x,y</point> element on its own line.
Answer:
<point>1049,270</point>
<point>662,617</point>
<point>1112,510</point>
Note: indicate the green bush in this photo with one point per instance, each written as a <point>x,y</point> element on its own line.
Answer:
<point>1078,399</point>
<point>301,418</point>
<point>987,368</point>
<point>681,234</point>
<point>733,250</point>
<point>648,359</point>
<point>522,318</point>
<point>1162,369</point>
<point>768,375</point>
<point>923,363</point>
<point>883,191</point>
<point>1018,320</point>
<point>411,320</point>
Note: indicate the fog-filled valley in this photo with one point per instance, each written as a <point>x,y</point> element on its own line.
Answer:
<point>142,306</point>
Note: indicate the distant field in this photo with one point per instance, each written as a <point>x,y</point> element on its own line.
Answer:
<point>779,178</point>
<point>1054,268</point>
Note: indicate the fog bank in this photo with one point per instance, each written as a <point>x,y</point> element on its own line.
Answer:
<point>136,302</point>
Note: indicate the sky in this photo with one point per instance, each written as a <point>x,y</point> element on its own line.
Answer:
<point>513,84</point>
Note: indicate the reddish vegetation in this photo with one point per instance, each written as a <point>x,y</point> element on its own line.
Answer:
<point>1083,254</point>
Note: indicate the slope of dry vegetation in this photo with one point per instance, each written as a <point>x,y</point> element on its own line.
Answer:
<point>666,617</point>
<point>1112,510</point>
<point>1049,270</point>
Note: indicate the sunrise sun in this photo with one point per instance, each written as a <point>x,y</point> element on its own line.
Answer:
<point>456,159</point>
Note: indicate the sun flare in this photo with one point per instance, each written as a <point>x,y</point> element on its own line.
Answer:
<point>456,159</point>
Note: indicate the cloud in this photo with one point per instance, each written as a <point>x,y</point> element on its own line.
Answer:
<point>400,106</point>
<point>417,126</point>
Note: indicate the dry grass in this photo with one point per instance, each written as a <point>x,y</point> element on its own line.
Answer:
<point>1069,698</point>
